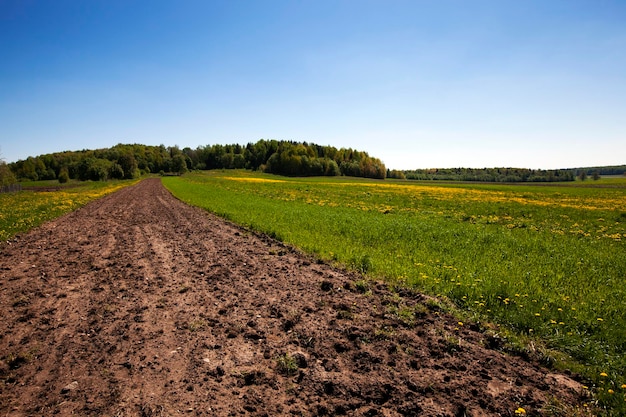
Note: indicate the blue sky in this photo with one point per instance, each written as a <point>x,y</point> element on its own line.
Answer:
<point>418,84</point>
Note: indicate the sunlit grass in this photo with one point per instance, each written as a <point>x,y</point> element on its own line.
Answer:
<point>21,211</point>
<point>546,262</point>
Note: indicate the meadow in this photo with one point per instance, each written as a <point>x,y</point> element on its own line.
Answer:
<point>545,263</point>
<point>21,211</point>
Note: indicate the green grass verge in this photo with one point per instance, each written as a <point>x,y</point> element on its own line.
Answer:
<point>546,262</point>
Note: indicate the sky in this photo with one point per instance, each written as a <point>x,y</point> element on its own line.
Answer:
<point>416,83</point>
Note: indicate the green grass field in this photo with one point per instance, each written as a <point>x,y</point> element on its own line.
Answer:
<point>545,262</point>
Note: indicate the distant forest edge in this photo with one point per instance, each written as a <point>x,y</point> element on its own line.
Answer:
<point>513,174</point>
<point>131,161</point>
<point>290,158</point>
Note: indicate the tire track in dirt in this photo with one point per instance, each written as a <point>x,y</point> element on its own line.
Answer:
<point>139,305</point>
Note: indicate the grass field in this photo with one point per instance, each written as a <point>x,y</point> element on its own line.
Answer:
<point>24,210</point>
<point>547,263</point>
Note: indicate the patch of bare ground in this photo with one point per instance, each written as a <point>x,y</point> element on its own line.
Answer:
<point>139,305</point>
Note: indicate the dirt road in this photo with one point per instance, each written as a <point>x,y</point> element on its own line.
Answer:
<point>139,305</point>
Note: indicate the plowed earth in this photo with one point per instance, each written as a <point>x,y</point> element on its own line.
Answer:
<point>139,305</point>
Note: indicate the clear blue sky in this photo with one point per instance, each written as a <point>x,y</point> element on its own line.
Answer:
<point>418,84</point>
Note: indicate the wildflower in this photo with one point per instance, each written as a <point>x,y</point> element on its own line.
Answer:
<point>600,319</point>
<point>537,314</point>
<point>610,391</point>
<point>623,386</point>
<point>603,374</point>
<point>461,324</point>
<point>520,412</point>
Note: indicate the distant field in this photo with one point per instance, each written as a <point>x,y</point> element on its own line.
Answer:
<point>26,209</point>
<point>548,262</point>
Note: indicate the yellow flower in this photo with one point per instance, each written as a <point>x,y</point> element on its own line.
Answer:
<point>520,411</point>
<point>610,391</point>
<point>461,323</point>
<point>623,386</point>
<point>603,374</point>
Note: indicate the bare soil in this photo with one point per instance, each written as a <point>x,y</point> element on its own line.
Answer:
<point>139,305</point>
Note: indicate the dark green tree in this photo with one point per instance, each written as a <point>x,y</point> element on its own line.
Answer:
<point>179,164</point>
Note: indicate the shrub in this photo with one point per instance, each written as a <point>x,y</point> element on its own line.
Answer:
<point>64,176</point>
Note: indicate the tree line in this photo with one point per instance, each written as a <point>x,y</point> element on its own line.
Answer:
<point>125,161</point>
<point>492,174</point>
<point>290,158</point>
<point>612,170</point>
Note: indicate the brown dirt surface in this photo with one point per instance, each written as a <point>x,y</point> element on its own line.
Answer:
<point>139,305</point>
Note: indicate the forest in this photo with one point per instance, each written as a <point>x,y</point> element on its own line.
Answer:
<point>492,174</point>
<point>125,161</point>
<point>509,175</point>
<point>289,158</point>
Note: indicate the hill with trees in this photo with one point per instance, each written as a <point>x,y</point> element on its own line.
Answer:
<point>125,161</point>
<point>290,158</point>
